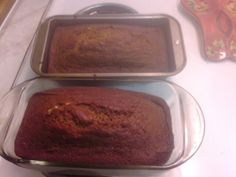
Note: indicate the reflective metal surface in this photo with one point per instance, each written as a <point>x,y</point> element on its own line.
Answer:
<point>175,59</point>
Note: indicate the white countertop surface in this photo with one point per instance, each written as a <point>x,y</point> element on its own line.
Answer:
<point>212,84</point>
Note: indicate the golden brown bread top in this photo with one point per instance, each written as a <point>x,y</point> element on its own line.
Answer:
<point>108,48</point>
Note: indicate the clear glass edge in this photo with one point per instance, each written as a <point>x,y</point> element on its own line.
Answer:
<point>184,156</point>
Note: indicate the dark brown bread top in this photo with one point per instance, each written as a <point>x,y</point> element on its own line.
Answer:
<point>107,48</point>
<point>95,126</point>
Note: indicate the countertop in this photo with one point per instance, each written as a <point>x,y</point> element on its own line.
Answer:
<point>213,84</point>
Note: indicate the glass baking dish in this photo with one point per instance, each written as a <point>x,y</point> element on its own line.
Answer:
<point>186,118</point>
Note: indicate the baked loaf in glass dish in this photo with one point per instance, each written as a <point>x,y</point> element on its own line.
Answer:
<point>183,128</point>
<point>96,126</point>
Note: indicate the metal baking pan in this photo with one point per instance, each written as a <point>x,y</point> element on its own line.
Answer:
<point>187,124</point>
<point>172,33</point>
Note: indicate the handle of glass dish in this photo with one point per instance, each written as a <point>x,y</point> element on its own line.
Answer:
<point>7,106</point>
<point>194,124</point>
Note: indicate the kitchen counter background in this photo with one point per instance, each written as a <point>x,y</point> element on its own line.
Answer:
<point>212,84</point>
<point>15,36</point>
